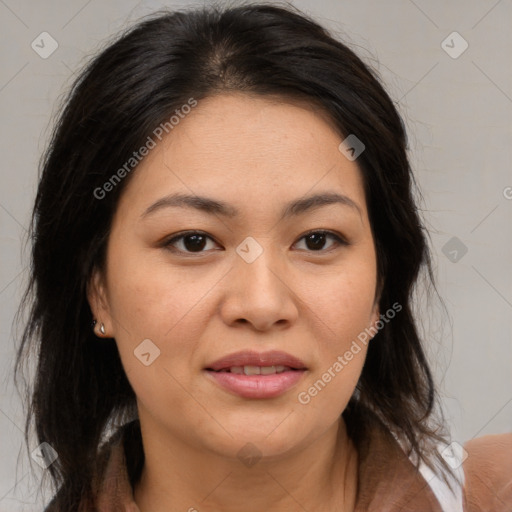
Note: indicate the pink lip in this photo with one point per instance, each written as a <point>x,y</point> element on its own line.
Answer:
<point>257,386</point>
<point>252,358</point>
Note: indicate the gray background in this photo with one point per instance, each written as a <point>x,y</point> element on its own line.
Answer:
<point>458,113</point>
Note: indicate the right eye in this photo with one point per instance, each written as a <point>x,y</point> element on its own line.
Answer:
<point>189,242</point>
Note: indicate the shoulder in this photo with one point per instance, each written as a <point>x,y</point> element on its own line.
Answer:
<point>109,480</point>
<point>488,474</point>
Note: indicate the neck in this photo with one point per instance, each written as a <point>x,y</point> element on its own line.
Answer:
<point>177,477</point>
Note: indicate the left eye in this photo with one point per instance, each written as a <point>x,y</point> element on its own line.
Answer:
<point>195,241</point>
<point>315,240</point>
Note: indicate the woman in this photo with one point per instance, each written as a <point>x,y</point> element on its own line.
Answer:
<point>225,244</point>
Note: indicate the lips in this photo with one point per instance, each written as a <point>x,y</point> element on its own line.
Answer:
<point>256,386</point>
<point>253,375</point>
<point>249,362</point>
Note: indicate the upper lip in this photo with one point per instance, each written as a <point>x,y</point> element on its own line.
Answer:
<point>252,358</point>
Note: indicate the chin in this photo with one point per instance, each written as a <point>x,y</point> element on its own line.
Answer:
<point>268,442</point>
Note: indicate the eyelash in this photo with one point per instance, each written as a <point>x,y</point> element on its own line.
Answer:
<point>340,241</point>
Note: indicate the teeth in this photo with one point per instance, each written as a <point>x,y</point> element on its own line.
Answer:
<point>252,370</point>
<point>256,370</point>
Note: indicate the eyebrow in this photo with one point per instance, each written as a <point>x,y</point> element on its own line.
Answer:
<point>216,207</point>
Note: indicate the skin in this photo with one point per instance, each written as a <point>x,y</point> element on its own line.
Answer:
<point>256,154</point>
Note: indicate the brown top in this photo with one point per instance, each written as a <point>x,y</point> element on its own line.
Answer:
<point>388,481</point>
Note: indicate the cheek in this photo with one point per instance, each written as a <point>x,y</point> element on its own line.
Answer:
<point>343,303</point>
<point>150,298</point>
<point>151,302</point>
<point>341,346</point>
<point>166,310</point>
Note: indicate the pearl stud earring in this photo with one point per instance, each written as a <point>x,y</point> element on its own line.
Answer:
<point>102,327</point>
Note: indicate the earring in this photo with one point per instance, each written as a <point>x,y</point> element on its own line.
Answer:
<point>102,326</point>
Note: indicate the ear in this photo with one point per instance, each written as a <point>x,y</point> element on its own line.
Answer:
<point>97,297</point>
<point>375,316</point>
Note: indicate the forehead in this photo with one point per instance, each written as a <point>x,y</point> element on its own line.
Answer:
<point>257,127</point>
<point>252,148</point>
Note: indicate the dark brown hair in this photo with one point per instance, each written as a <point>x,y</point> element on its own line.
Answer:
<point>124,93</point>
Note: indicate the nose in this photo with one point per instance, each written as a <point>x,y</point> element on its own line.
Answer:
<point>260,294</point>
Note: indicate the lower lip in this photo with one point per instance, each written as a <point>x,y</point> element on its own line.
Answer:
<point>257,386</point>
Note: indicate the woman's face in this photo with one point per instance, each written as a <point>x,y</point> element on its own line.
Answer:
<point>252,281</point>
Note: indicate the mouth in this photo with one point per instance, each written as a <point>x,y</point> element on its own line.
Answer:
<point>251,363</point>
<point>257,375</point>
<point>256,370</point>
